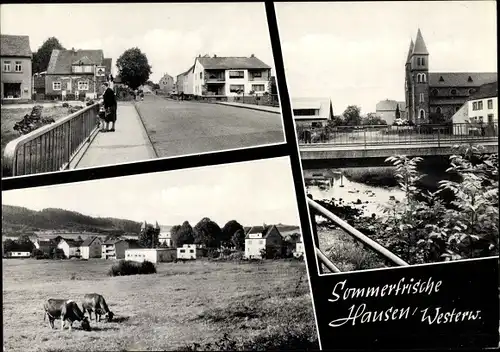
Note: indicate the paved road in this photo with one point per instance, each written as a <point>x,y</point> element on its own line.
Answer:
<point>185,127</point>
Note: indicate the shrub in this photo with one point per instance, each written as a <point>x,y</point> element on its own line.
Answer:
<point>65,105</point>
<point>213,253</point>
<point>128,267</point>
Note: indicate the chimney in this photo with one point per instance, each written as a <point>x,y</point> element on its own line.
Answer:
<point>215,55</point>
<point>252,55</point>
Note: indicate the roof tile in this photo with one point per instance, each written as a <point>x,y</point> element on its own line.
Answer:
<point>15,45</point>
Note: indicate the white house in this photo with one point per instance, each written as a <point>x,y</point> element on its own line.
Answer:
<point>299,249</point>
<point>115,249</point>
<point>256,241</point>
<point>153,255</point>
<point>18,254</point>
<point>71,248</point>
<point>479,115</point>
<point>386,109</point>
<point>189,251</point>
<point>165,237</point>
<point>91,248</point>
<point>312,112</point>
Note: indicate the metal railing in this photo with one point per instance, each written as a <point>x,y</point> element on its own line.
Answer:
<point>50,147</point>
<point>317,209</point>
<point>419,134</point>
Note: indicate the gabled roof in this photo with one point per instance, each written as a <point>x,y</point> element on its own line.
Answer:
<point>420,48</point>
<point>488,90</point>
<point>461,79</point>
<point>324,105</point>
<point>255,229</point>
<point>390,105</point>
<point>270,229</point>
<point>186,72</point>
<point>62,60</point>
<point>88,241</point>
<point>15,45</point>
<point>228,63</point>
<point>410,51</point>
<point>113,241</point>
<point>72,243</point>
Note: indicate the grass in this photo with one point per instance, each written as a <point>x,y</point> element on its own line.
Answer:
<point>182,306</point>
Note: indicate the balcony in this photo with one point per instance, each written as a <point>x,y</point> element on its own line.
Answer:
<point>214,77</point>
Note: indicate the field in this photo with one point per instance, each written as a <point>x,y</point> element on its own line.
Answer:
<point>237,305</point>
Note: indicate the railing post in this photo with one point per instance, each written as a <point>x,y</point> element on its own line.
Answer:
<point>314,225</point>
<point>364,135</point>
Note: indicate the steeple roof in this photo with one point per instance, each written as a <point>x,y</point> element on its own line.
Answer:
<point>420,48</point>
<point>144,225</point>
<point>410,51</point>
<point>157,227</point>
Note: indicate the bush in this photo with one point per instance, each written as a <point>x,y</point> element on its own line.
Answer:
<point>36,253</point>
<point>213,253</point>
<point>128,267</point>
<point>65,105</point>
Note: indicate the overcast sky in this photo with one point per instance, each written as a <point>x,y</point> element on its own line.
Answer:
<point>171,35</point>
<point>355,52</point>
<point>251,193</point>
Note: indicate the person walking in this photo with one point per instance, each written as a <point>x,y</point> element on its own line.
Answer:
<point>110,106</point>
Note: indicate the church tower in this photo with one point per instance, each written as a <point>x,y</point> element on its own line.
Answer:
<point>419,72</point>
<point>408,84</point>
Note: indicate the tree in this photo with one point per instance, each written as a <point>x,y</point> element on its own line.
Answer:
<point>133,68</point>
<point>228,231</point>
<point>41,57</point>
<point>398,113</point>
<point>272,87</point>
<point>208,233</point>
<point>149,237</point>
<point>352,115</point>
<point>373,119</point>
<point>181,235</point>
<point>25,244</point>
<point>238,239</point>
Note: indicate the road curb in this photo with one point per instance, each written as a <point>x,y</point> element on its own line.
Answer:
<point>151,148</point>
<point>248,107</point>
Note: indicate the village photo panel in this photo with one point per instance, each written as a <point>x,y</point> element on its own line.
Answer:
<point>397,128</point>
<point>206,258</point>
<point>187,81</point>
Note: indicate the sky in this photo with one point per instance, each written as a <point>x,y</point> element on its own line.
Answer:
<point>355,53</point>
<point>252,193</point>
<point>171,35</point>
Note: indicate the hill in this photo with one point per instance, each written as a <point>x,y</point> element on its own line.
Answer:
<point>16,220</point>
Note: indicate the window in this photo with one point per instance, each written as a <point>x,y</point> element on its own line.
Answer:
<point>236,74</point>
<point>421,78</point>
<point>418,61</point>
<point>441,79</point>
<point>474,105</point>
<point>182,251</point>
<point>19,66</point>
<point>438,110</point>
<point>480,105</point>
<point>490,104</point>
<point>261,241</point>
<point>201,75</point>
<point>421,97</point>
<point>236,88</point>
<point>472,91</point>
<point>423,61</point>
<point>434,92</point>
<point>422,114</point>
<point>453,92</point>
<point>306,112</point>
<point>191,251</point>
<point>257,74</point>
<point>56,85</point>
<point>470,79</point>
<point>87,69</point>
<point>258,87</point>
<point>83,85</point>
<point>6,66</point>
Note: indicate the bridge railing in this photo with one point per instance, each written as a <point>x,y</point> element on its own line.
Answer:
<point>383,134</point>
<point>50,147</point>
<point>316,209</point>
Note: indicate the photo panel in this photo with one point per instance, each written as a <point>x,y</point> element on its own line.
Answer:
<point>186,82</point>
<point>397,127</point>
<point>207,258</point>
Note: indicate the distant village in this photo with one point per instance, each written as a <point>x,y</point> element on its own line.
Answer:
<point>260,242</point>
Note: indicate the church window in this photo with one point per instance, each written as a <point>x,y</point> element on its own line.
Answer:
<point>453,92</point>
<point>423,61</point>
<point>470,79</point>
<point>472,91</point>
<point>421,98</point>
<point>424,77</point>
<point>441,79</point>
<point>422,114</point>
<point>434,92</point>
<point>418,61</point>
<point>438,110</point>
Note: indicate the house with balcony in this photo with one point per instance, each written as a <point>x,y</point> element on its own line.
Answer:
<point>312,112</point>
<point>115,248</point>
<point>16,77</point>
<point>76,74</point>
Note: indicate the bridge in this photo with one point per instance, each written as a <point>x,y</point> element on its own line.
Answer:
<point>371,145</point>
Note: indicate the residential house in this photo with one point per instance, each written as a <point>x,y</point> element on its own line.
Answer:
<point>479,115</point>
<point>259,240</point>
<point>312,112</point>
<point>91,248</point>
<point>230,76</point>
<point>167,83</point>
<point>17,254</point>
<point>46,246</point>
<point>299,250</point>
<point>16,77</point>
<point>190,251</point>
<point>153,255</point>
<point>115,248</point>
<point>165,236</point>
<point>185,82</point>
<point>386,110</point>
<point>76,74</point>
<point>71,248</point>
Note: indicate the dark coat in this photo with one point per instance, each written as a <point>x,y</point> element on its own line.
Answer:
<point>109,99</point>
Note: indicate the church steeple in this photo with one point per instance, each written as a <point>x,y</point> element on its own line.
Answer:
<point>410,52</point>
<point>144,226</point>
<point>419,47</point>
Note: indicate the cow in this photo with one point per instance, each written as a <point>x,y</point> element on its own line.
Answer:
<point>66,310</point>
<point>94,302</point>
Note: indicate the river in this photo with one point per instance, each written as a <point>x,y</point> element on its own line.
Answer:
<point>328,183</point>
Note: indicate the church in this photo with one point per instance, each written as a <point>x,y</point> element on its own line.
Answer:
<point>432,97</point>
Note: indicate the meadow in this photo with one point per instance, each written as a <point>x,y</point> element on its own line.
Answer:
<point>185,306</point>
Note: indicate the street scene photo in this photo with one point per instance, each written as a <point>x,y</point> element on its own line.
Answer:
<point>397,125</point>
<point>187,81</point>
<point>203,259</point>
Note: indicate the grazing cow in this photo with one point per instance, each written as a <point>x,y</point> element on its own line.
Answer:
<point>94,302</point>
<point>66,310</point>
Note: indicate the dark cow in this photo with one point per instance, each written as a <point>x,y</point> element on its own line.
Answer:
<point>94,302</point>
<point>66,310</point>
